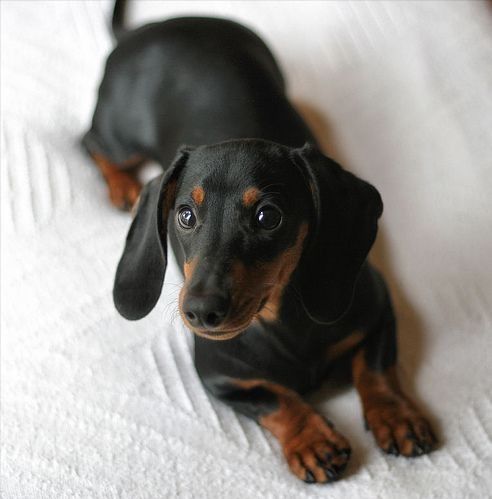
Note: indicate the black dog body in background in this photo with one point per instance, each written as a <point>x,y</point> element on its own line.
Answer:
<point>271,235</point>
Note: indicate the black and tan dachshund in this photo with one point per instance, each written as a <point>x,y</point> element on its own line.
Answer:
<point>271,235</point>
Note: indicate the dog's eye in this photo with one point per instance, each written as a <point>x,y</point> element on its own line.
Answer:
<point>186,218</point>
<point>268,217</point>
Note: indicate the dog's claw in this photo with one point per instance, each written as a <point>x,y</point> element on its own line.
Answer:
<point>418,450</point>
<point>331,474</point>
<point>309,477</point>
<point>392,449</point>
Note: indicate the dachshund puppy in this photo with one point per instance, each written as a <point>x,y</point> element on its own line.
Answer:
<point>271,235</point>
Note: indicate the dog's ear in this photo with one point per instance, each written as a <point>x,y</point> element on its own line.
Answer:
<point>346,212</point>
<point>140,273</point>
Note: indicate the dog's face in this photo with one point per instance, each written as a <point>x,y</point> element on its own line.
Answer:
<point>247,214</point>
<point>241,216</point>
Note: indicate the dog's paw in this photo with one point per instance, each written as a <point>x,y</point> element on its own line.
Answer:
<point>399,429</point>
<point>123,190</point>
<point>317,453</point>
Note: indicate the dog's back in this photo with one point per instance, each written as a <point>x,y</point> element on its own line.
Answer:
<point>202,74</point>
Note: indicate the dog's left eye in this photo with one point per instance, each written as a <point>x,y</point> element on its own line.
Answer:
<point>186,218</point>
<point>268,217</point>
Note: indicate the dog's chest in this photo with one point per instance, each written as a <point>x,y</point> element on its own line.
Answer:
<point>298,361</point>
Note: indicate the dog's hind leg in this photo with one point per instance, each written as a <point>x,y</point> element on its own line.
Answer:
<point>121,179</point>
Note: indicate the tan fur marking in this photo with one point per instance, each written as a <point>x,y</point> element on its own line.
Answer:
<point>123,186</point>
<point>188,269</point>
<point>344,345</point>
<point>369,382</point>
<point>267,280</point>
<point>291,412</point>
<point>284,266</point>
<point>198,195</point>
<point>250,196</point>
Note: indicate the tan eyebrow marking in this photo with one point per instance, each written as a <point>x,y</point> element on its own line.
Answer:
<point>250,196</point>
<point>198,195</point>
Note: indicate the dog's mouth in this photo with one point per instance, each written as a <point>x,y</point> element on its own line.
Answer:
<point>219,336</point>
<point>240,320</point>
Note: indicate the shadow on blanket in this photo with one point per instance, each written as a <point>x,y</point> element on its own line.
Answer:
<point>411,332</point>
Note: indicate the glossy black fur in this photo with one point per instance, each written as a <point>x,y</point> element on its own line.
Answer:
<point>213,85</point>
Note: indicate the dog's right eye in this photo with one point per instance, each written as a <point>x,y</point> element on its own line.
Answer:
<point>268,217</point>
<point>186,218</point>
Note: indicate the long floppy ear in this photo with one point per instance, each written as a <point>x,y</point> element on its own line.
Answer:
<point>346,212</point>
<point>140,273</point>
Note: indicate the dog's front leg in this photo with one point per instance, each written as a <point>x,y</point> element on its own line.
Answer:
<point>396,423</point>
<point>314,450</point>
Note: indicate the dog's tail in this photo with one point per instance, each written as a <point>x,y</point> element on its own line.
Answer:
<point>118,19</point>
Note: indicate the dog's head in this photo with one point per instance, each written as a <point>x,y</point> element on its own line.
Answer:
<point>247,215</point>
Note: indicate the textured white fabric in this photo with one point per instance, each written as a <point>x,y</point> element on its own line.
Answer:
<point>94,406</point>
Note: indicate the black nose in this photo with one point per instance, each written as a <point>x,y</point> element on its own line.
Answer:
<point>206,311</point>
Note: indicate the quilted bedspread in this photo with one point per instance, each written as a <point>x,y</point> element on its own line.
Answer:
<point>95,406</point>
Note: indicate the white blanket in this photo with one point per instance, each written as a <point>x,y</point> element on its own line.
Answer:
<point>94,406</point>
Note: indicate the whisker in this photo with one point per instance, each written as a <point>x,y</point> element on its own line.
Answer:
<point>172,303</point>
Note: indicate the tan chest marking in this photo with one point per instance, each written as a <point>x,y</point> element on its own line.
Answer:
<point>346,344</point>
